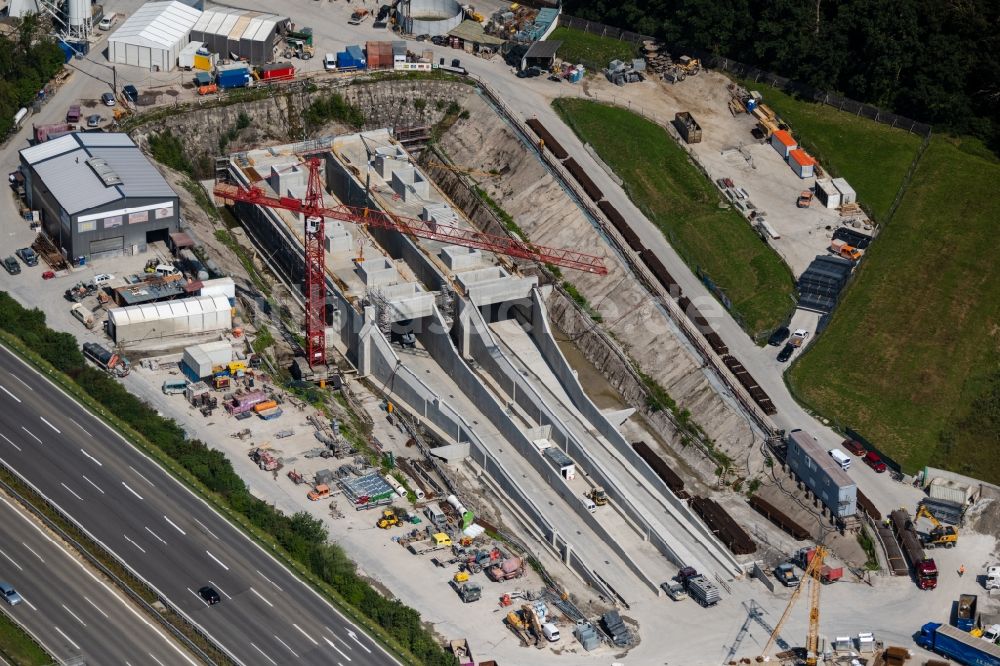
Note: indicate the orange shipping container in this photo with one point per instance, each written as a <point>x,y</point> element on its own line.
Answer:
<point>267,404</point>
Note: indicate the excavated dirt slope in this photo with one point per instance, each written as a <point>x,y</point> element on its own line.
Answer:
<point>549,215</point>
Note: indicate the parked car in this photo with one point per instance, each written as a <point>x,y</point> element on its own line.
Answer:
<point>10,595</point>
<point>778,337</point>
<point>102,279</point>
<point>786,353</point>
<point>855,447</point>
<point>108,99</point>
<point>28,256</point>
<point>132,93</point>
<point>48,275</point>
<point>799,337</point>
<point>10,263</point>
<point>422,38</point>
<point>675,591</point>
<point>210,596</point>
<point>874,461</point>
<point>439,40</point>
<point>94,120</point>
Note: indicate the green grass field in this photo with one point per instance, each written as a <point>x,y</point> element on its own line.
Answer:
<point>593,51</point>
<point>873,158</point>
<point>681,201</point>
<point>17,647</point>
<point>910,358</point>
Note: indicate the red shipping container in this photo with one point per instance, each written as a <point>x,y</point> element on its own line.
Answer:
<point>277,71</point>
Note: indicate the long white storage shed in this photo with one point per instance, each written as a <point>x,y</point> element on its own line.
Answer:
<point>153,36</point>
<point>154,321</point>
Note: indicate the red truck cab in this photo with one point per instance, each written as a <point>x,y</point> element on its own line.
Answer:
<point>74,114</point>
<point>926,574</point>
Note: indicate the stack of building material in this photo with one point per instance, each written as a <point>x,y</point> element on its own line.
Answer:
<point>587,635</point>
<point>620,634</point>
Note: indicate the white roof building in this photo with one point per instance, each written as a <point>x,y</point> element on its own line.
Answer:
<point>153,36</point>
<point>151,322</point>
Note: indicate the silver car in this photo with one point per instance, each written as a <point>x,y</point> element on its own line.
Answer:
<point>10,595</point>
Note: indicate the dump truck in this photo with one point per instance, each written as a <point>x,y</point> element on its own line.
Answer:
<point>965,614</point>
<point>827,574</point>
<point>320,492</point>
<point>924,569</point>
<point>468,591</point>
<point>509,569</point>
<point>956,644</point>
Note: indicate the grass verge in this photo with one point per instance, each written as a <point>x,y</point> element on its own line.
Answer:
<point>873,158</point>
<point>679,199</point>
<point>18,647</point>
<point>911,354</point>
<point>592,51</point>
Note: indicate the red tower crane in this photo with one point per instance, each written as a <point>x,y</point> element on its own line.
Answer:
<point>315,211</point>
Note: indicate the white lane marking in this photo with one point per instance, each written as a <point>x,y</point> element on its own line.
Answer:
<point>22,381</point>
<point>4,389</point>
<point>268,580</point>
<point>71,642</point>
<point>32,434</point>
<point>217,560</point>
<point>70,491</point>
<point>134,543</point>
<point>335,633</point>
<point>46,421</point>
<point>96,607</point>
<point>259,596</point>
<point>32,551</point>
<point>286,645</point>
<point>141,476</point>
<point>130,490</point>
<point>264,653</point>
<point>219,588</point>
<point>11,561</point>
<point>334,646</point>
<point>156,535</point>
<point>80,427</point>
<point>75,616</point>
<point>354,637</point>
<point>174,525</point>
<point>11,443</point>
<point>154,658</point>
<point>197,595</point>
<point>305,634</point>
<point>92,483</point>
<point>31,605</point>
<point>206,528</point>
<point>99,463</point>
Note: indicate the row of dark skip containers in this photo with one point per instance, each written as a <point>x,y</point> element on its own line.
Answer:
<point>655,267</point>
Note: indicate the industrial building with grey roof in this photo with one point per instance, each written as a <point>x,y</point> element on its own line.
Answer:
<point>98,194</point>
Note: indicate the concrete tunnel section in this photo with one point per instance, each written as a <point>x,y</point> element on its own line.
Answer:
<point>506,401</point>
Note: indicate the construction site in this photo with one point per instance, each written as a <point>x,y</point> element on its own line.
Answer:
<point>448,343</point>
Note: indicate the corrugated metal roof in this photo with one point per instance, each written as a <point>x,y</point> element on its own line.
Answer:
<point>225,20</point>
<point>152,312</point>
<point>63,165</point>
<point>784,137</point>
<point>158,24</point>
<point>802,158</point>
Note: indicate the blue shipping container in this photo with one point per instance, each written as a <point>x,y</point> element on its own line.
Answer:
<point>357,55</point>
<point>344,60</point>
<point>233,78</point>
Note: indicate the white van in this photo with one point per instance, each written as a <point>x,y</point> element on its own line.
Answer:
<point>842,458</point>
<point>589,503</point>
<point>164,270</point>
<point>329,62</point>
<point>551,632</point>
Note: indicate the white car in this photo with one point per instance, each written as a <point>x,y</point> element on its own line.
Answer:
<point>798,337</point>
<point>102,279</point>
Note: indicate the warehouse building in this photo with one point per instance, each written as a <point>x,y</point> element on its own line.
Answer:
<point>821,474</point>
<point>153,36</point>
<point>152,322</point>
<point>240,33</point>
<point>98,195</point>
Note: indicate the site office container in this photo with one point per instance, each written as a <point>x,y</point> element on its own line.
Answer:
<point>278,71</point>
<point>783,142</point>
<point>824,477</point>
<point>802,163</point>
<point>357,55</point>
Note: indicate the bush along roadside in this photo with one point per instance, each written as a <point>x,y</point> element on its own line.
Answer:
<point>300,540</point>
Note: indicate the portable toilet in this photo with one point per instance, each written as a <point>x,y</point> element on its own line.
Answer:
<point>801,163</point>
<point>783,142</point>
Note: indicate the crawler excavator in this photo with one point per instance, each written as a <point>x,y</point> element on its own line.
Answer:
<point>939,535</point>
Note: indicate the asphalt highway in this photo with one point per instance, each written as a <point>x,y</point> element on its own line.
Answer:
<point>167,535</point>
<point>68,608</point>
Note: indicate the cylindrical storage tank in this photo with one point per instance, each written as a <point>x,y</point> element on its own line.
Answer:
<point>77,12</point>
<point>458,506</point>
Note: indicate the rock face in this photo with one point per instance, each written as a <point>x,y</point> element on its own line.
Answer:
<point>549,215</point>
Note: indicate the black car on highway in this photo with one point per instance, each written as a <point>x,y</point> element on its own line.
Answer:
<point>209,594</point>
<point>786,353</point>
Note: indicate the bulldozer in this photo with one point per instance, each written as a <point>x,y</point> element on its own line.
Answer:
<point>690,66</point>
<point>939,535</point>
<point>388,519</point>
<point>598,496</point>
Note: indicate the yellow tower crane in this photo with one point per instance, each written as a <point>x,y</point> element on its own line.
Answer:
<point>812,576</point>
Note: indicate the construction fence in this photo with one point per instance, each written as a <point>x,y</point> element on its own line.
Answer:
<point>758,75</point>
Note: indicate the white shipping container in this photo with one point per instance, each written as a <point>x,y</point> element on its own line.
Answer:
<point>827,194</point>
<point>946,489</point>
<point>847,193</point>
<point>201,359</point>
<point>224,286</point>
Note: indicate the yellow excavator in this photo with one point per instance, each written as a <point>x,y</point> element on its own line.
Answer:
<point>940,535</point>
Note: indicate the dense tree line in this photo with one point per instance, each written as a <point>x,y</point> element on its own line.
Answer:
<point>937,62</point>
<point>303,537</point>
<point>28,59</point>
